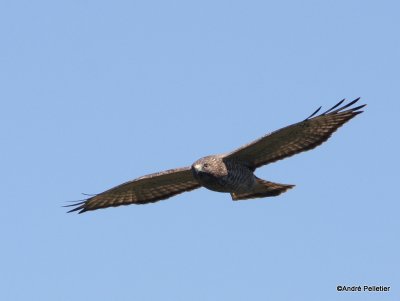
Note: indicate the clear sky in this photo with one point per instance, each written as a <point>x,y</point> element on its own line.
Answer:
<point>95,93</point>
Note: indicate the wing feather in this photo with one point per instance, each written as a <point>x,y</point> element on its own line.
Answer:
<point>143,190</point>
<point>295,138</point>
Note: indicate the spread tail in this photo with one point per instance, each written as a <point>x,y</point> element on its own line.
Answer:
<point>261,190</point>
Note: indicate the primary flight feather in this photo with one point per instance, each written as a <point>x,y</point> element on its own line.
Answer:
<point>231,172</point>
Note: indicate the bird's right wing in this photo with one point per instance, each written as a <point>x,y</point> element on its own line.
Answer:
<point>295,138</point>
<point>143,190</point>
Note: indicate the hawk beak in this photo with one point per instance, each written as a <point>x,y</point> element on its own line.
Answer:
<point>198,167</point>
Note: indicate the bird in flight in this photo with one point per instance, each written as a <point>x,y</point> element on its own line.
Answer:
<point>231,172</point>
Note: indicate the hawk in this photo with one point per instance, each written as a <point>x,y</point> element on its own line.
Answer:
<point>230,172</point>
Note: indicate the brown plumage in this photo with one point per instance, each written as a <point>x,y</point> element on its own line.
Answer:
<point>231,172</point>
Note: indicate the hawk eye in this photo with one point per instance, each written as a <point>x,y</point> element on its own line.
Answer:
<point>205,165</point>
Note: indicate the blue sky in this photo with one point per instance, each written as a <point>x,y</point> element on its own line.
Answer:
<point>95,93</point>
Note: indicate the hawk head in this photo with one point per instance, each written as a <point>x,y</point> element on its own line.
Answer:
<point>210,166</point>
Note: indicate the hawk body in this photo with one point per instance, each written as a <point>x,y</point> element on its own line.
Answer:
<point>231,172</point>
<point>217,174</point>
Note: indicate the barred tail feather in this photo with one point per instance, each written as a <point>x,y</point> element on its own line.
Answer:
<point>262,189</point>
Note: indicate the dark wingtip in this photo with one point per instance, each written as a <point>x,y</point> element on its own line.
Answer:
<point>357,108</point>
<point>79,206</point>
<point>335,106</point>
<point>346,106</point>
<point>73,210</point>
<point>316,111</point>
<point>358,112</point>
<point>341,109</point>
<point>89,194</point>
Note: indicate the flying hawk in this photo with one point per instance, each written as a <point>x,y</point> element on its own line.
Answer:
<point>231,172</point>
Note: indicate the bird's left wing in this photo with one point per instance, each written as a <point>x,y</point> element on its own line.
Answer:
<point>143,190</point>
<point>295,138</point>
